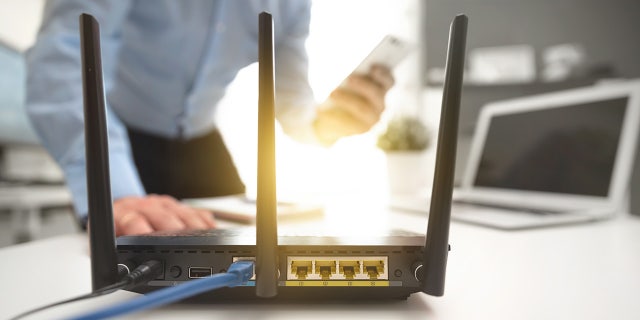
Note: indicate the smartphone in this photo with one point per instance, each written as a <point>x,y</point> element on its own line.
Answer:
<point>389,52</point>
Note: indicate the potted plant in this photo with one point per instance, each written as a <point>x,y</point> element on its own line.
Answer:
<point>405,141</point>
<point>404,134</point>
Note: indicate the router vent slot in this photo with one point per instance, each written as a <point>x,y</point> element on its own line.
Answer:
<point>191,251</point>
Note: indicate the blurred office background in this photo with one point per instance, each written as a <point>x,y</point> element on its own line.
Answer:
<point>524,47</point>
<point>515,47</point>
<point>34,202</point>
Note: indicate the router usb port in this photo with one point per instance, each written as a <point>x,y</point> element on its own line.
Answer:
<point>200,272</point>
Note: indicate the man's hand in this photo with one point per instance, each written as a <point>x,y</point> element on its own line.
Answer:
<point>354,107</point>
<point>140,215</point>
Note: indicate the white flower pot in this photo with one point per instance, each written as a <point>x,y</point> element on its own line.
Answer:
<point>408,172</point>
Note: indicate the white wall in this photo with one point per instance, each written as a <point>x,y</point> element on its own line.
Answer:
<point>19,22</point>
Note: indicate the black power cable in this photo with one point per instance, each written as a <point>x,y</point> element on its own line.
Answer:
<point>140,275</point>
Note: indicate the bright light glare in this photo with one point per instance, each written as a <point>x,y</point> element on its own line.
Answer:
<point>341,34</point>
<point>353,165</point>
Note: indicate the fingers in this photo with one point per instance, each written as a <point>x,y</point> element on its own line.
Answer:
<point>193,218</point>
<point>138,215</point>
<point>358,105</point>
<point>207,218</point>
<point>160,216</point>
<point>131,222</point>
<point>382,76</point>
<point>372,87</point>
<point>333,123</point>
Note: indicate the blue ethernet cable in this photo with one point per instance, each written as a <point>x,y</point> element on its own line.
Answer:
<point>239,273</point>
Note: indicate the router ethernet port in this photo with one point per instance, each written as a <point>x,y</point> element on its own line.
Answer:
<point>349,269</point>
<point>301,268</point>
<point>325,268</point>
<point>373,268</point>
<point>235,259</point>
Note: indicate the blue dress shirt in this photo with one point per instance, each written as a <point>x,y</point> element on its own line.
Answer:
<point>166,65</point>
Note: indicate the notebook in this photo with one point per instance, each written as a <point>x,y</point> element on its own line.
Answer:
<point>549,159</point>
<point>242,209</point>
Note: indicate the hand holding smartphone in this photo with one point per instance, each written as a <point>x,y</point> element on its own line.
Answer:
<point>354,107</point>
<point>389,52</point>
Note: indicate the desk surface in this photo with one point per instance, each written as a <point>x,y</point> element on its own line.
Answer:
<point>588,271</point>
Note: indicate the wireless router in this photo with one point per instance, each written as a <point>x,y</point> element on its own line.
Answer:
<point>312,267</point>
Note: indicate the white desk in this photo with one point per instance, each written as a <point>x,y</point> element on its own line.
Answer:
<point>589,271</point>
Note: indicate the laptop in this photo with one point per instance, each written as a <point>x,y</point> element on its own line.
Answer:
<point>550,159</point>
<point>307,267</point>
<point>634,186</point>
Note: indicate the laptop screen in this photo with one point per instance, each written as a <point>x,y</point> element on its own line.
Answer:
<point>569,149</point>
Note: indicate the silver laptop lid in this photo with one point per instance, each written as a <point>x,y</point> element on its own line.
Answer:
<point>560,151</point>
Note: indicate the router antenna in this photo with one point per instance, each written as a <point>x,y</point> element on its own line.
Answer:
<point>266,221</point>
<point>432,273</point>
<point>104,269</point>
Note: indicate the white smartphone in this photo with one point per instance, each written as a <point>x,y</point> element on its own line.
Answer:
<point>389,52</point>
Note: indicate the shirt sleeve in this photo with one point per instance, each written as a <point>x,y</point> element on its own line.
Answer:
<point>295,103</point>
<point>54,94</point>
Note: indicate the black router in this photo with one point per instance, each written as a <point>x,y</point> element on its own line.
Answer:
<point>313,267</point>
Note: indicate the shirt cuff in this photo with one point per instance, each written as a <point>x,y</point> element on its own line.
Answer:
<point>297,122</point>
<point>124,182</point>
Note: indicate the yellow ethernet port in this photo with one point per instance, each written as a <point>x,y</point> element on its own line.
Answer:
<point>349,268</point>
<point>301,268</point>
<point>373,268</point>
<point>325,268</point>
<point>337,268</point>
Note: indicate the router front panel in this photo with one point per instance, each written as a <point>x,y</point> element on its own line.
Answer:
<point>305,272</point>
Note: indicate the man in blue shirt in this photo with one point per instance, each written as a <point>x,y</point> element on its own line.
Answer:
<point>166,66</point>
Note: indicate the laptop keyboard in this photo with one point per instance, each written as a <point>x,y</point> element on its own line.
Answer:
<point>462,203</point>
